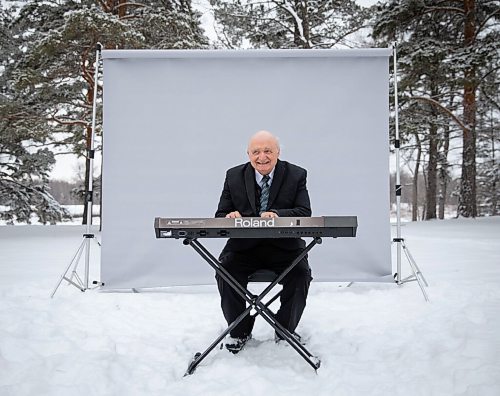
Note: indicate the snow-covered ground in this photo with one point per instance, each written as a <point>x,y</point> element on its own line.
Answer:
<point>373,339</point>
<point>76,212</point>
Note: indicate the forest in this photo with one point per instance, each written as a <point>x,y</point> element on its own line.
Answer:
<point>448,84</point>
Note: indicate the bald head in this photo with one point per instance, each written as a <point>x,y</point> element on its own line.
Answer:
<point>264,137</point>
<point>263,152</point>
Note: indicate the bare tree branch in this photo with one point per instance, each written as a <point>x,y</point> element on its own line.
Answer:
<point>454,9</point>
<point>465,129</point>
<point>481,26</point>
<point>129,4</point>
<point>73,122</point>
<point>104,6</point>
<point>490,99</point>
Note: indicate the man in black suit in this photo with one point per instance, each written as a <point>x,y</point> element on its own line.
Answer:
<point>264,187</point>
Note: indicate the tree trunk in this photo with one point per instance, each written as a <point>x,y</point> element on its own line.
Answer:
<point>494,183</point>
<point>305,23</point>
<point>301,41</point>
<point>430,191</point>
<point>122,10</point>
<point>467,201</point>
<point>443,172</point>
<point>414,206</point>
<point>424,205</point>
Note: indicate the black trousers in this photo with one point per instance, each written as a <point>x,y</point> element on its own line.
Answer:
<point>244,263</point>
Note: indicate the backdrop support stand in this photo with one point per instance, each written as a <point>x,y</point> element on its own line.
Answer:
<point>74,279</point>
<point>400,242</point>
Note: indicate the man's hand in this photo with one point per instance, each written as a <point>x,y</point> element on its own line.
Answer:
<point>268,215</point>
<point>233,215</point>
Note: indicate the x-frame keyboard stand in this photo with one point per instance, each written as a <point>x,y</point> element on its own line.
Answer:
<point>255,303</point>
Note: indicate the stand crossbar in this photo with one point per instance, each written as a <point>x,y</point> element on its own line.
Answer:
<point>254,303</point>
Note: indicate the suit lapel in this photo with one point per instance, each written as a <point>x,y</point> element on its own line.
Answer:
<point>250,186</point>
<point>279,176</point>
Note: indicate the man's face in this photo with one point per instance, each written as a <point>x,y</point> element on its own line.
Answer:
<point>263,154</point>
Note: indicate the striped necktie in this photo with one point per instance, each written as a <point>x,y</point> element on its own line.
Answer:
<point>264,194</point>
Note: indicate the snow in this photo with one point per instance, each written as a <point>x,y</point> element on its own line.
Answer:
<point>373,339</point>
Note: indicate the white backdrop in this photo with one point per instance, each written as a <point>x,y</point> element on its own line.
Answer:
<point>175,121</point>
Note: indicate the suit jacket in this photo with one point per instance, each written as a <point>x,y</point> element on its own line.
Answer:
<point>288,197</point>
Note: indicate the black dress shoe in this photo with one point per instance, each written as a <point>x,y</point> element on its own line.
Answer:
<point>236,344</point>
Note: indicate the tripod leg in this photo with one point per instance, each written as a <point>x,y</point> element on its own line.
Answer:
<point>77,261</point>
<point>63,276</point>
<point>415,273</point>
<point>411,259</point>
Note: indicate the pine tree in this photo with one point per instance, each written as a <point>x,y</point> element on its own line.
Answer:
<point>488,170</point>
<point>52,79</point>
<point>287,23</point>
<point>424,75</point>
<point>24,158</point>
<point>471,46</point>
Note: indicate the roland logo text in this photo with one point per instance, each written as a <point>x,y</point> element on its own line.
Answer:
<point>248,223</point>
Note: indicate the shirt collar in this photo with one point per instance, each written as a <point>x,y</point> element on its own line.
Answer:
<point>258,177</point>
